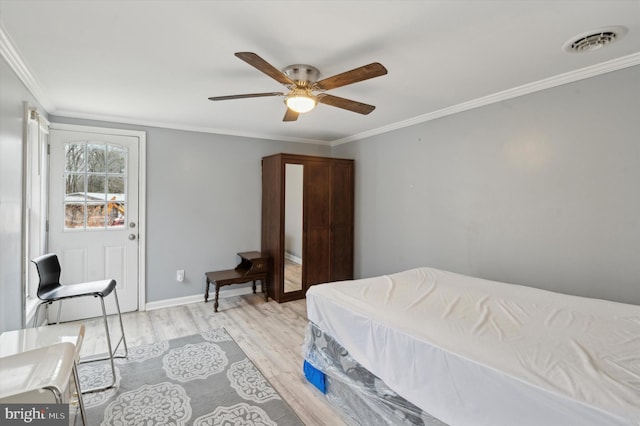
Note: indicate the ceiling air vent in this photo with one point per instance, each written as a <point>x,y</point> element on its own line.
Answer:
<point>594,40</point>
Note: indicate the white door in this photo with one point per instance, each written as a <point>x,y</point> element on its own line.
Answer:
<point>94,216</point>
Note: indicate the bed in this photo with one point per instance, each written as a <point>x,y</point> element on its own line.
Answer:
<point>432,347</point>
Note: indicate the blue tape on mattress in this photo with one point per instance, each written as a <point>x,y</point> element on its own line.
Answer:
<point>314,376</point>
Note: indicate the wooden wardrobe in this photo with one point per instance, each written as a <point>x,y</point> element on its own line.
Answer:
<point>309,220</point>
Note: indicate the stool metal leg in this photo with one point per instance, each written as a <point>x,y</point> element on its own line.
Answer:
<point>112,350</point>
<point>76,380</point>
<point>59,311</point>
<point>36,315</point>
<point>123,339</point>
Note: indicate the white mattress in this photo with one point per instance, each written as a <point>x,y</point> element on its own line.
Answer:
<point>476,352</point>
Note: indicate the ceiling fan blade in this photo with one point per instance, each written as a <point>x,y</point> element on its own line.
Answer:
<point>248,95</point>
<point>365,72</point>
<point>290,115</point>
<point>343,103</point>
<point>264,66</point>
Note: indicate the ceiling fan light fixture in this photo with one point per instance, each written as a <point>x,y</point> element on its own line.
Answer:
<point>301,81</point>
<point>300,101</point>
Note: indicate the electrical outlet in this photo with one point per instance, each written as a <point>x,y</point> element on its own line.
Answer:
<point>180,275</point>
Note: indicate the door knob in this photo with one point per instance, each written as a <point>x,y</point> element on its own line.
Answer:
<point>132,236</point>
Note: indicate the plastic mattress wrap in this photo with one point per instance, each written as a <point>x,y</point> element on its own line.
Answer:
<point>362,397</point>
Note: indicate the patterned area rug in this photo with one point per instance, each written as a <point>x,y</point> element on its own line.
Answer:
<point>203,379</point>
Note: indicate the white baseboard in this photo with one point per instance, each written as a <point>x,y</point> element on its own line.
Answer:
<point>293,258</point>
<point>230,292</point>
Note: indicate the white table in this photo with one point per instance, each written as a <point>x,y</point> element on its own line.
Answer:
<point>37,376</point>
<point>41,356</point>
<point>16,341</point>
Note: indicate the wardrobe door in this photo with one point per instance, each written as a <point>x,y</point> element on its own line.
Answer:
<point>317,222</point>
<point>342,199</point>
<point>272,222</point>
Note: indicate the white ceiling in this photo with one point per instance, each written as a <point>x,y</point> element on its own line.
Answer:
<point>156,62</point>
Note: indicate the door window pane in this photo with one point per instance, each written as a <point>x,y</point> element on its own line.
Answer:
<point>96,158</point>
<point>116,213</point>
<point>95,187</point>
<point>95,182</point>
<point>74,157</point>
<point>116,185</point>
<point>117,205</point>
<point>74,214</point>
<point>116,159</point>
<point>74,187</point>
<point>95,215</point>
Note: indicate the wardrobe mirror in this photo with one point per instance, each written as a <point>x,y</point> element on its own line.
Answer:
<point>294,174</point>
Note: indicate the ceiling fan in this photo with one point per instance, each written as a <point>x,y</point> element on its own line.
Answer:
<point>304,91</point>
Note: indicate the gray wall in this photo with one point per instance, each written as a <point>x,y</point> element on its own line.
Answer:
<point>13,95</point>
<point>203,202</point>
<point>541,190</point>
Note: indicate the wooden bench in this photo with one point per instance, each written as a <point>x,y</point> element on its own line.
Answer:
<point>253,266</point>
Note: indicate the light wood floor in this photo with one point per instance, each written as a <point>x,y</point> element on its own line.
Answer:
<point>292,276</point>
<point>271,334</point>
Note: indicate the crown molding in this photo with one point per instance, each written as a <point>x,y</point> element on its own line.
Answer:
<point>558,80</point>
<point>188,128</point>
<point>10,53</point>
<point>15,61</point>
